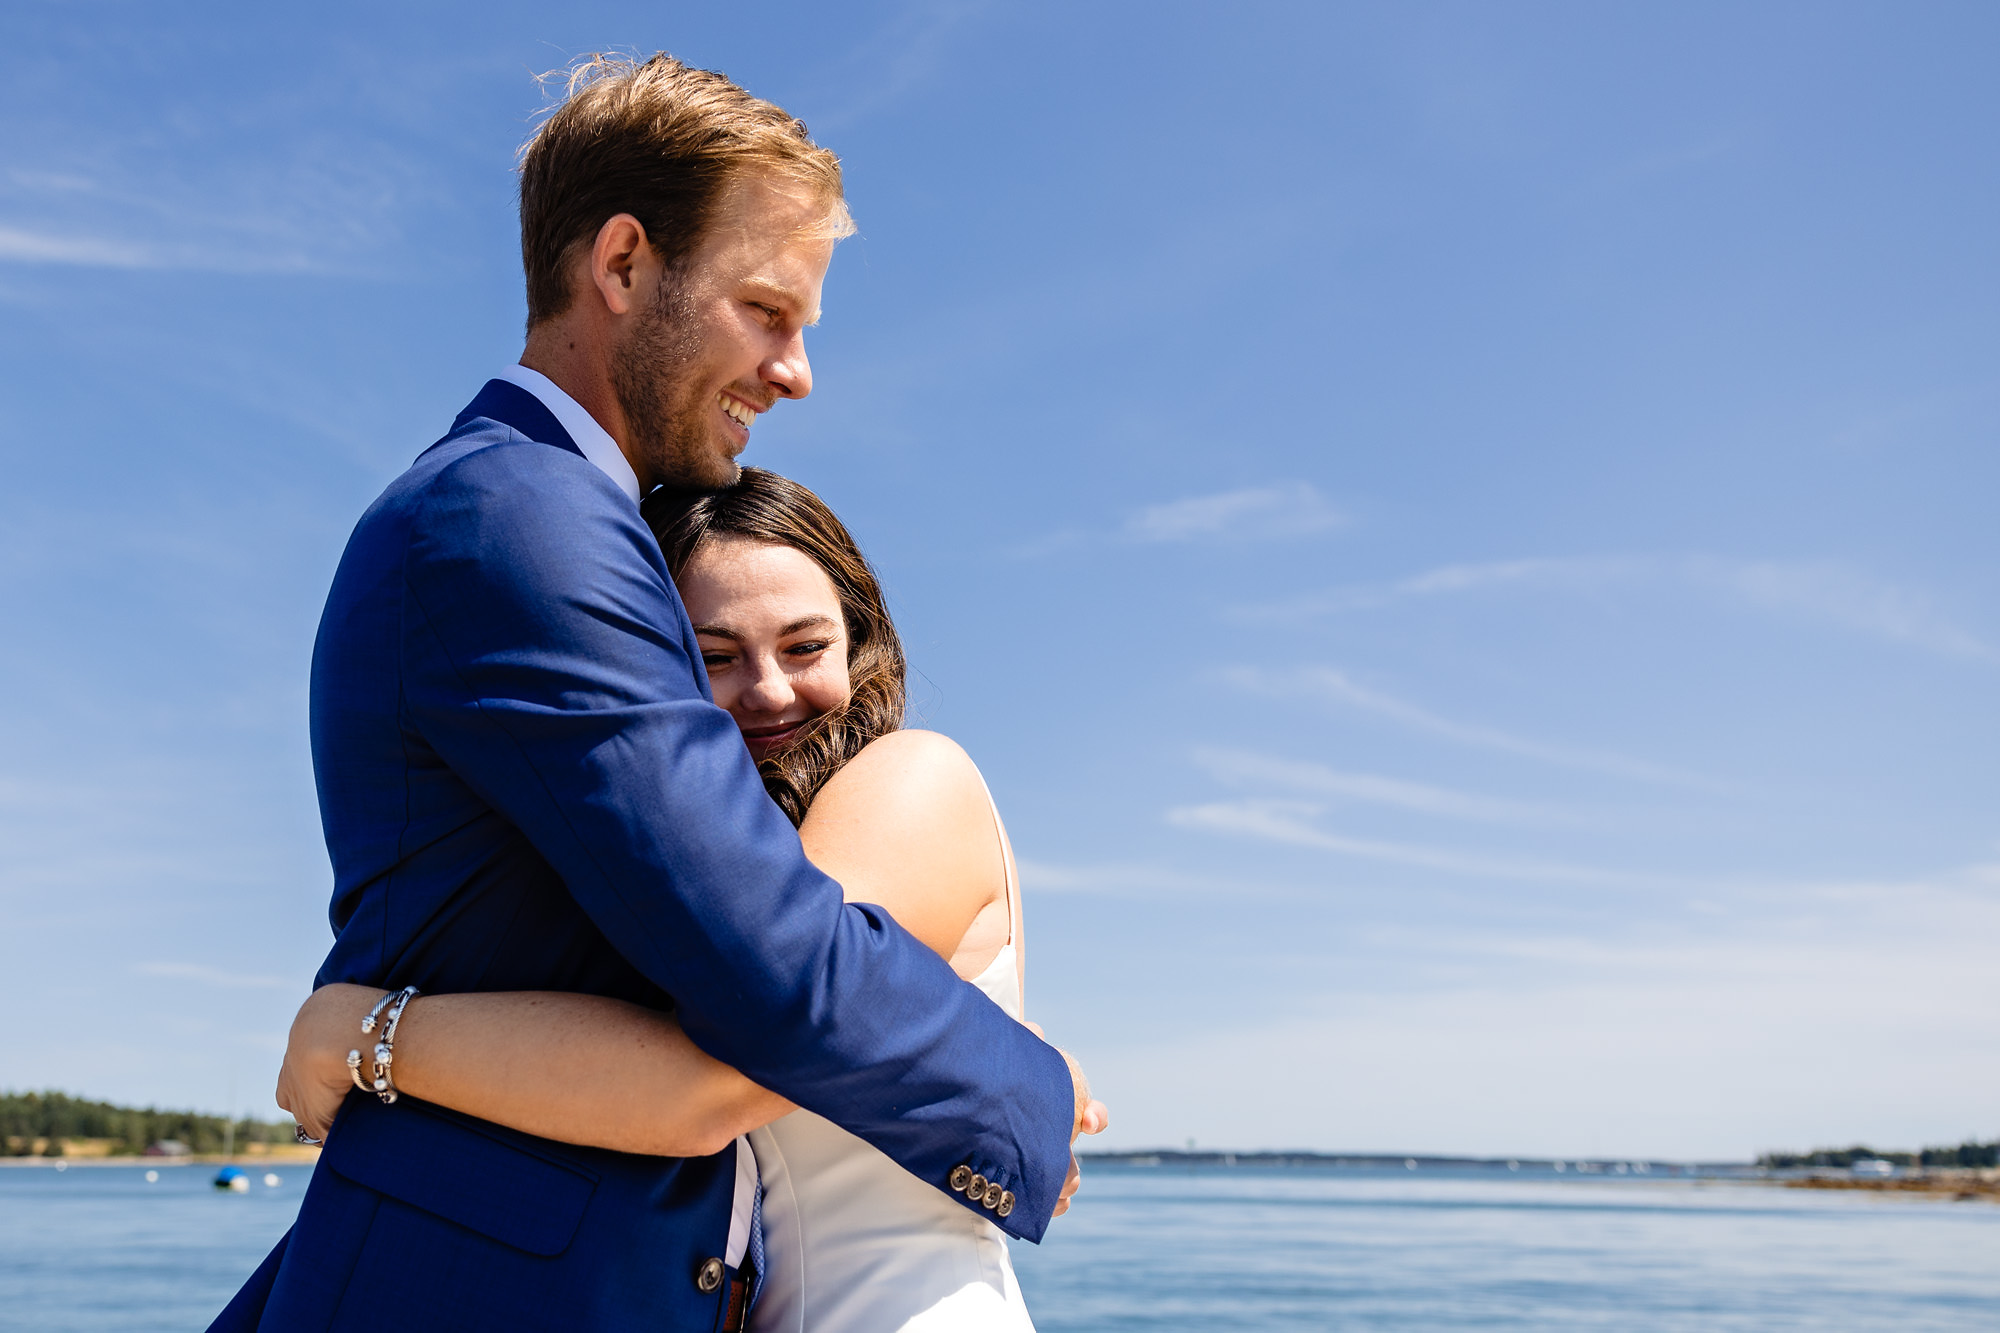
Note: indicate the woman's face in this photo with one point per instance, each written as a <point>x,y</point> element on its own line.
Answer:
<point>771,633</point>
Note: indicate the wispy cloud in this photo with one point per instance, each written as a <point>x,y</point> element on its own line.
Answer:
<point>309,209</point>
<point>1125,879</point>
<point>1444,580</point>
<point>1291,509</point>
<point>80,250</point>
<point>1293,823</point>
<point>1332,688</point>
<point>1247,768</point>
<point>1261,513</point>
<point>215,976</point>
<point>1824,592</point>
<point>29,247</point>
<point>1850,599</point>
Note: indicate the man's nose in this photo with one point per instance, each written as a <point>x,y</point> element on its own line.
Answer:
<point>790,373</point>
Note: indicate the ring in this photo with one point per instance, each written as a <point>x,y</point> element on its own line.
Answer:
<point>299,1133</point>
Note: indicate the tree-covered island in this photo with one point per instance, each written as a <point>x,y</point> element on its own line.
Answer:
<point>1967,1154</point>
<point>55,1124</point>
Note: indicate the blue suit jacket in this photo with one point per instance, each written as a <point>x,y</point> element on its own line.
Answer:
<point>525,785</point>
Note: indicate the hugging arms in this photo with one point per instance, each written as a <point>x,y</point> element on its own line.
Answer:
<point>799,650</point>
<point>905,826</point>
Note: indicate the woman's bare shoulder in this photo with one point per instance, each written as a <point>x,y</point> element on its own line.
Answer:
<point>915,787</point>
<point>925,771</point>
<point>906,825</point>
<point>926,754</point>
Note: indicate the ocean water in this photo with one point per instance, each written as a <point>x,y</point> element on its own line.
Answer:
<point>93,1249</point>
<point>1317,1248</point>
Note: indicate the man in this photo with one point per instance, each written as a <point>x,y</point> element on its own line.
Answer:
<point>524,784</point>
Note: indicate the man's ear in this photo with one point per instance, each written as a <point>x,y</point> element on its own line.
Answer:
<point>622,264</point>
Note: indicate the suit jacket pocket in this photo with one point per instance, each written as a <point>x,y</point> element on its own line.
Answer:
<point>478,1175</point>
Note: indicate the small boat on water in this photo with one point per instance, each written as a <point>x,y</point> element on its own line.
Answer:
<point>231,1177</point>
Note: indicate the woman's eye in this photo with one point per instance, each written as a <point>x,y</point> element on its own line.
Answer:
<point>714,660</point>
<point>807,649</point>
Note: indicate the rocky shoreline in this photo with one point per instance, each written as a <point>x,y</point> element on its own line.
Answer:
<point>1946,1182</point>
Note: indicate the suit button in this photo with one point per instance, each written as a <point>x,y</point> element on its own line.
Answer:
<point>975,1188</point>
<point>1006,1204</point>
<point>709,1276</point>
<point>992,1196</point>
<point>960,1178</point>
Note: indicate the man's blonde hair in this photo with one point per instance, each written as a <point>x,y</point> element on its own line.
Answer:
<point>663,142</point>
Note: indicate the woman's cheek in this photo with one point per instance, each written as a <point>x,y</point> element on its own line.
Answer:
<point>829,687</point>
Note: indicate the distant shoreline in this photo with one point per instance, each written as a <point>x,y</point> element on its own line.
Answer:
<point>289,1154</point>
<point>1954,1182</point>
<point>1586,1166</point>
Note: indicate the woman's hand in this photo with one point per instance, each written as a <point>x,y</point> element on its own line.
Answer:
<point>314,1080</point>
<point>1092,1117</point>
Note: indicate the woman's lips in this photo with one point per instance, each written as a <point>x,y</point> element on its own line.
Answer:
<point>766,738</point>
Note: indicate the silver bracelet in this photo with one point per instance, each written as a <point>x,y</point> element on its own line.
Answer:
<point>375,1014</point>
<point>385,1049</point>
<point>403,998</point>
<point>367,1026</point>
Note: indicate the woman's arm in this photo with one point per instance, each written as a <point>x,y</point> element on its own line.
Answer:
<point>576,1068</point>
<point>905,825</point>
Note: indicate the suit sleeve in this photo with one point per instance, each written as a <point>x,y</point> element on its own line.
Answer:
<point>543,661</point>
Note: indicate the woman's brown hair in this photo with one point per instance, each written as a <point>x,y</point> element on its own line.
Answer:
<point>765,507</point>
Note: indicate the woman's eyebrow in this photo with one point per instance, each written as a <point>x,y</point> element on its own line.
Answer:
<point>719,632</point>
<point>807,622</point>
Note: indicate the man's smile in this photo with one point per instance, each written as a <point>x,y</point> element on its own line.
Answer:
<point>738,411</point>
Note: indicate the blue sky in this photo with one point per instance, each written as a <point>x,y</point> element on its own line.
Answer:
<point>1461,535</point>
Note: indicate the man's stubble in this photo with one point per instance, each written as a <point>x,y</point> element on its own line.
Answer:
<point>656,375</point>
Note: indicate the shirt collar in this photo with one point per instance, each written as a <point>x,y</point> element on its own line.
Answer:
<point>592,439</point>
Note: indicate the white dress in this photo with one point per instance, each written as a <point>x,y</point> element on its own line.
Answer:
<point>855,1244</point>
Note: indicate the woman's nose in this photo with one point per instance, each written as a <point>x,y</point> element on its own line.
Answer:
<point>768,691</point>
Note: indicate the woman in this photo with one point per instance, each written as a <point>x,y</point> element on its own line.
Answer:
<point>801,651</point>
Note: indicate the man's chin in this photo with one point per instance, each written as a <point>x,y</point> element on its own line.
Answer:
<point>687,471</point>
<point>723,477</point>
